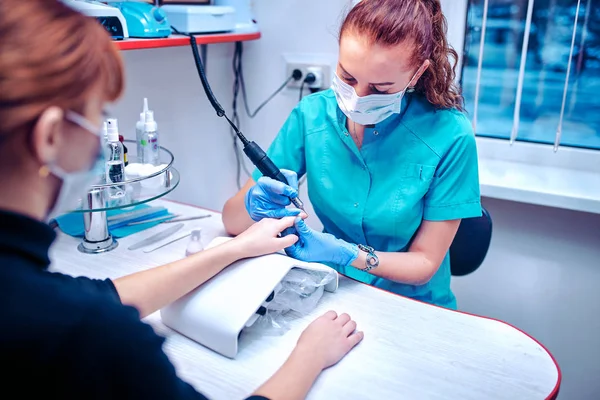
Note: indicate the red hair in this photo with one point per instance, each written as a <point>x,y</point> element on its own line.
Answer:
<point>51,55</point>
<point>420,23</point>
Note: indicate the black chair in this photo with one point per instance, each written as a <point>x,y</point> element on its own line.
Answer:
<point>471,244</point>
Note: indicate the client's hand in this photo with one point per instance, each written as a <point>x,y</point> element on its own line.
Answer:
<point>329,338</point>
<point>269,198</point>
<point>263,237</point>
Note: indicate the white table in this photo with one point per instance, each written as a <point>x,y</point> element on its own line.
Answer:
<point>411,350</point>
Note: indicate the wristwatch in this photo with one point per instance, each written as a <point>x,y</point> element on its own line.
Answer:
<point>372,259</point>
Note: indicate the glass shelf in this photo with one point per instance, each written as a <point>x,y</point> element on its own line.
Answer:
<point>134,190</point>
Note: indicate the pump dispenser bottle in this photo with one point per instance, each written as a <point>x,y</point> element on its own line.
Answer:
<point>115,166</point>
<point>148,151</point>
<point>139,133</point>
<point>150,136</point>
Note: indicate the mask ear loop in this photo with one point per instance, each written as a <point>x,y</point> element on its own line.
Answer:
<point>411,89</point>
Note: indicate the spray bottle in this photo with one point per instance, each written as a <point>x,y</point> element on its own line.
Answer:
<point>105,133</point>
<point>139,133</point>
<point>115,166</point>
<point>100,171</point>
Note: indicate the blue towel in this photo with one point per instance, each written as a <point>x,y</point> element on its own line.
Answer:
<point>72,223</point>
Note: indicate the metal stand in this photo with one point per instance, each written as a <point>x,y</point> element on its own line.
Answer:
<point>137,190</point>
<point>97,237</point>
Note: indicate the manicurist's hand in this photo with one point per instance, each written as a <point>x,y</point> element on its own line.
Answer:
<point>268,198</point>
<point>314,246</point>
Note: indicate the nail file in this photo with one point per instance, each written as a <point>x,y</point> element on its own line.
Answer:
<point>164,218</point>
<point>168,243</point>
<point>157,237</point>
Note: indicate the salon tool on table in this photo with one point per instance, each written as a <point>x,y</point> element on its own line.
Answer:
<point>258,157</point>
<point>195,245</point>
<point>166,244</point>
<point>215,313</point>
<point>167,219</point>
<point>157,237</point>
<point>144,20</point>
<point>111,18</point>
<point>134,216</point>
<point>190,218</point>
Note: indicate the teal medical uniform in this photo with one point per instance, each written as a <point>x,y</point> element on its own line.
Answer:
<point>418,165</point>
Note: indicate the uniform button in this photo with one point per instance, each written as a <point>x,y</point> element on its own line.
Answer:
<point>355,204</point>
<point>375,133</point>
<point>346,133</point>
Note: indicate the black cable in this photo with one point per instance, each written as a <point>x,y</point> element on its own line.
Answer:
<point>239,70</point>
<point>239,84</point>
<point>234,121</point>
<point>310,78</point>
<point>209,93</point>
<point>252,150</point>
<point>302,90</point>
<point>264,103</point>
<point>240,164</point>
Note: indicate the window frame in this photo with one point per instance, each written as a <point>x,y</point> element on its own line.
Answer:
<point>532,172</point>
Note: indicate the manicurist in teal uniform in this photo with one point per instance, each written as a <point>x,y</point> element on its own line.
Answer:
<point>390,158</point>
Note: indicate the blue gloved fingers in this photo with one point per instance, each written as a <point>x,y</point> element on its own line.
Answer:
<point>281,213</point>
<point>292,251</point>
<point>291,177</point>
<point>249,205</point>
<point>272,186</point>
<point>295,251</point>
<point>302,229</point>
<point>298,249</point>
<point>289,231</point>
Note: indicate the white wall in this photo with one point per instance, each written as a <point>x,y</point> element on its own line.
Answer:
<point>543,266</point>
<point>187,124</point>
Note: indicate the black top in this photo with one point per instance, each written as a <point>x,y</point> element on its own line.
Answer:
<point>71,338</point>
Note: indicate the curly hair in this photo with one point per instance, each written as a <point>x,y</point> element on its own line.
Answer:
<point>422,24</point>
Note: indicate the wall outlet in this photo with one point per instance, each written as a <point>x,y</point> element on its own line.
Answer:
<point>321,71</point>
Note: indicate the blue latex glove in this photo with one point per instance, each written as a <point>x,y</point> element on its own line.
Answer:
<point>269,198</point>
<point>313,246</point>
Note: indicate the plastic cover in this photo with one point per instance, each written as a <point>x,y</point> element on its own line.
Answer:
<point>298,293</point>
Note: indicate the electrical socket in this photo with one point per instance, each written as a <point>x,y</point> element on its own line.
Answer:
<point>321,71</point>
<point>318,73</point>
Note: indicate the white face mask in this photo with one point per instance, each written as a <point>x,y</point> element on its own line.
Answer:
<point>75,184</point>
<point>366,110</point>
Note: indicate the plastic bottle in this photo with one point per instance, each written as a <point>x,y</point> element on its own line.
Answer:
<point>195,245</point>
<point>100,170</point>
<point>125,151</point>
<point>105,132</point>
<point>150,136</point>
<point>115,165</point>
<point>139,133</point>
